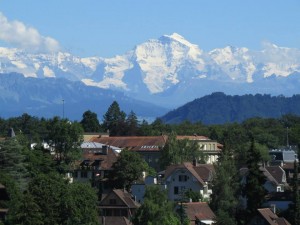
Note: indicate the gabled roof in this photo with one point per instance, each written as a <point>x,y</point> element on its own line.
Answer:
<point>107,160</point>
<point>201,172</point>
<point>134,143</point>
<point>272,218</point>
<point>277,173</point>
<point>198,210</point>
<point>127,198</point>
<point>274,174</point>
<point>124,196</point>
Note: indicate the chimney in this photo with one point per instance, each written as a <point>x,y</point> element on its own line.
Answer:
<point>273,208</point>
<point>195,162</point>
<point>104,149</point>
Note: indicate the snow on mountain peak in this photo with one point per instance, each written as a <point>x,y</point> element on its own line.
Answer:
<point>159,64</point>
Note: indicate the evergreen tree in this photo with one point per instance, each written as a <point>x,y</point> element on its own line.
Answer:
<point>114,120</point>
<point>26,211</point>
<point>254,190</point>
<point>12,161</point>
<point>296,202</point>
<point>132,124</point>
<point>90,122</point>
<point>156,209</point>
<point>224,198</point>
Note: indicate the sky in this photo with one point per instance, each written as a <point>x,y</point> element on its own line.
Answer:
<point>112,27</point>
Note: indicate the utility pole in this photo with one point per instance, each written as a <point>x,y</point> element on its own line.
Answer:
<point>63,103</point>
<point>287,137</point>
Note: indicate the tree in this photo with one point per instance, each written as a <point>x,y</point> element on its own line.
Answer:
<point>296,197</point>
<point>114,120</point>
<point>132,124</point>
<point>12,161</point>
<point>129,168</point>
<point>224,199</point>
<point>178,151</point>
<point>81,208</point>
<point>26,211</point>
<point>55,201</point>
<point>255,179</point>
<point>90,122</point>
<point>65,137</point>
<point>156,209</point>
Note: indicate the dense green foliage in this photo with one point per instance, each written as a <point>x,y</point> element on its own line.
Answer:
<point>38,166</point>
<point>37,188</point>
<point>178,151</point>
<point>253,189</point>
<point>156,209</point>
<point>224,200</point>
<point>129,168</point>
<point>90,122</point>
<point>219,108</point>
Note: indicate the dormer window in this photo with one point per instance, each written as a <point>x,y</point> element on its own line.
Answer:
<point>183,178</point>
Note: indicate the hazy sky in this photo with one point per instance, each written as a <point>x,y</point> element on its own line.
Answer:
<point>110,27</point>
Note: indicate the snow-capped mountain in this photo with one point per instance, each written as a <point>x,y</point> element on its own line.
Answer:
<point>169,70</point>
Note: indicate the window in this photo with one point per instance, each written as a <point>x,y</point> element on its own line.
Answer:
<point>183,178</point>
<point>112,201</point>
<point>176,190</point>
<point>83,174</point>
<point>278,189</point>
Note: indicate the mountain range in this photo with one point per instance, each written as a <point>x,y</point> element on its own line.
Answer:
<point>218,108</point>
<point>166,72</point>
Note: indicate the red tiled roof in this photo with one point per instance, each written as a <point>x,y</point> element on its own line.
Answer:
<point>272,218</point>
<point>277,173</point>
<point>107,160</point>
<point>199,210</point>
<point>135,143</point>
<point>123,196</point>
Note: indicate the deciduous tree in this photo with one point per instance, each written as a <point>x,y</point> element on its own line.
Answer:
<point>156,209</point>
<point>90,122</point>
<point>129,168</point>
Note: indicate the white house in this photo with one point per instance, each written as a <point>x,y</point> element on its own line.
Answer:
<point>187,176</point>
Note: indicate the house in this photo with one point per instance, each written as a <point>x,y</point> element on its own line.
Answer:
<point>118,203</point>
<point>95,165</point>
<point>276,179</point>
<point>211,148</point>
<point>114,220</point>
<point>275,183</point>
<point>283,155</point>
<point>149,147</point>
<point>187,176</point>
<point>87,136</point>
<point>138,189</point>
<point>199,213</point>
<point>266,216</point>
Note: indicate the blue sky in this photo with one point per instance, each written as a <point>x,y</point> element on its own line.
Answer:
<point>110,27</point>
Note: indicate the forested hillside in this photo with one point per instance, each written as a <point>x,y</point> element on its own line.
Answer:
<point>219,108</point>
